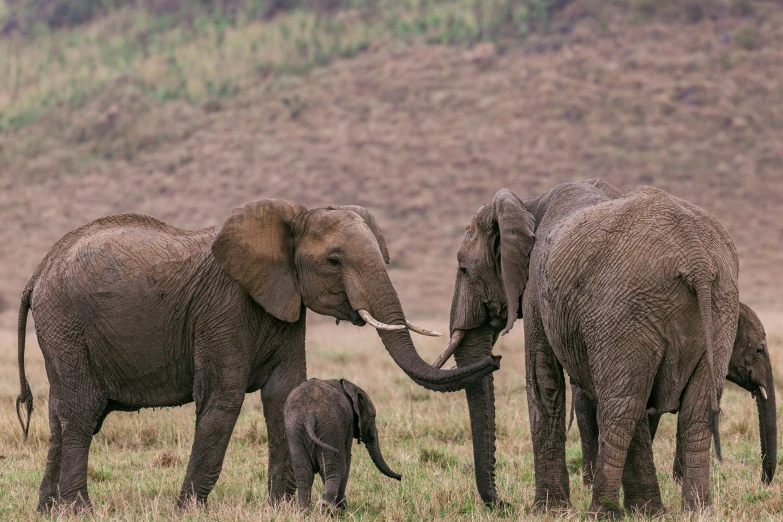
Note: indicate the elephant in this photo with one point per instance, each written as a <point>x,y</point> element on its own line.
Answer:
<point>749,367</point>
<point>634,296</point>
<point>321,420</point>
<point>133,313</point>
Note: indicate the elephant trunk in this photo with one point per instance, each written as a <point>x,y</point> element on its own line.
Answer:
<point>476,345</point>
<point>768,431</point>
<point>387,309</point>
<point>374,449</point>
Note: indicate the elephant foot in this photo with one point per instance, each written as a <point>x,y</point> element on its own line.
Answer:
<point>695,505</point>
<point>47,504</point>
<point>551,503</point>
<point>79,505</point>
<point>282,488</point>
<point>188,502</point>
<point>327,507</point>
<point>645,506</point>
<point>497,504</point>
<point>606,508</point>
<point>492,500</point>
<point>342,504</point>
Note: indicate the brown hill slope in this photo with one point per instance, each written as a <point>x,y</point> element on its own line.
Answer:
<point>422,137</point>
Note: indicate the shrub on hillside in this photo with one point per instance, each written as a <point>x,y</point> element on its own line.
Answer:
<point>24,15</point>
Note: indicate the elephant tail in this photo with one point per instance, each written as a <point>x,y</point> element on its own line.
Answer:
<point>25,396</point>
<point>571,415</point>
<point>704,295</point>
<point>310,427</point>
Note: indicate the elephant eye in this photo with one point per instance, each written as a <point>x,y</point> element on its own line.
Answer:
<point>760,349</point>
<point>333,260</point>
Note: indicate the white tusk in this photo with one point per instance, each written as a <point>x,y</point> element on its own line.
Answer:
<point>763,392</point>
<point>453,343</point>
<point>372,321</point>
<point>423,331</point>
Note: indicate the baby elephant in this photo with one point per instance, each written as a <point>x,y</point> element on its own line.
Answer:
<point>321,420</point>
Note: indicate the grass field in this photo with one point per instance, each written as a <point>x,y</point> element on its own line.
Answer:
<point>138,460</point>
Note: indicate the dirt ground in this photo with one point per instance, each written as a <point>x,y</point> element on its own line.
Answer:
<point>422,136</point>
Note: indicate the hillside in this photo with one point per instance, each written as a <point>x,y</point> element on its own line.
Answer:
<point>422,135</point>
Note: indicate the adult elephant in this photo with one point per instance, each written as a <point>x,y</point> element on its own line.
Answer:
<point>749,367</point>
<point>636,297</point>
<point>133,313</point>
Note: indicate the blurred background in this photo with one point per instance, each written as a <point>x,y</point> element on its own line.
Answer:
<point>419,110</point>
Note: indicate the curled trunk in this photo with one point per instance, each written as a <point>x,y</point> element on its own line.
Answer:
<point>374,449</point>
<point>401,349</point>
<point>387,309</point>
<point>768,432</point>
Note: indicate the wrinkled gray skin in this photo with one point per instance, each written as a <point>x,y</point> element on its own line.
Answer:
<point>321,420</point>
<point>133,313</point>
<point>635,297</point>
<point>749,368</point>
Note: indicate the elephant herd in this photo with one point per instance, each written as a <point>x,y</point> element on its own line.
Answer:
<point>635,296</point>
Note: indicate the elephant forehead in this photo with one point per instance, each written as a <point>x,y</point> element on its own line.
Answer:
<point>472,247</point>
<point>750,323</point>
<point>326,223</point>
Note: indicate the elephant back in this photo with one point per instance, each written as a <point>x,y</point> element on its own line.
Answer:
<point>632,261</point>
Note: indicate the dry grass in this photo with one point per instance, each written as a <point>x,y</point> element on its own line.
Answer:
<point>138,460</point>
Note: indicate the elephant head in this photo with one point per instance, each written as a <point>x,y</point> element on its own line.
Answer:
<point>330,260</point>
<point>364,426</point>
<point>750,368</point>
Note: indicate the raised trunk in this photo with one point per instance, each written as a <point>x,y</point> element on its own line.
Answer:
<point>768,432</point>
<point>386,308</point>
<point>374,449</point>
<point>477,345</point>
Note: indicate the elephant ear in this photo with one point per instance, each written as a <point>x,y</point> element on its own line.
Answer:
<point>516,226</point>
<point>254,247</point>
<point>609,190</point>
<point>374,228</point>
<point>361,404</point>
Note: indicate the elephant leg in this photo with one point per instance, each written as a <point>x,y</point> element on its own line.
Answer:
<point>215,420</point>
<point>584,408</point>
<point>79,404</point>
<point>640,484</point>
<point>677,464</point>
<point>48,493</point>
<point>334,472</point>
<point>342,503</point>
<point>303,470</point>
<point>618,420</point>
<point>546,407</point>
<point>694,438</point>
<point>78,427</point>
<point>654,420</point>
<point>284,378</point>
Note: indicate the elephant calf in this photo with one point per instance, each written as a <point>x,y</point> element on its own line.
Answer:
<point>321,420</point>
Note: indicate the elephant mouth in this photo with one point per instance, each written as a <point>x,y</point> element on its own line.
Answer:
<point>497,314</point>
<point>756,388</point>
<point>352,316</point>
<point>356,319</point>
<point>759,390</point>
